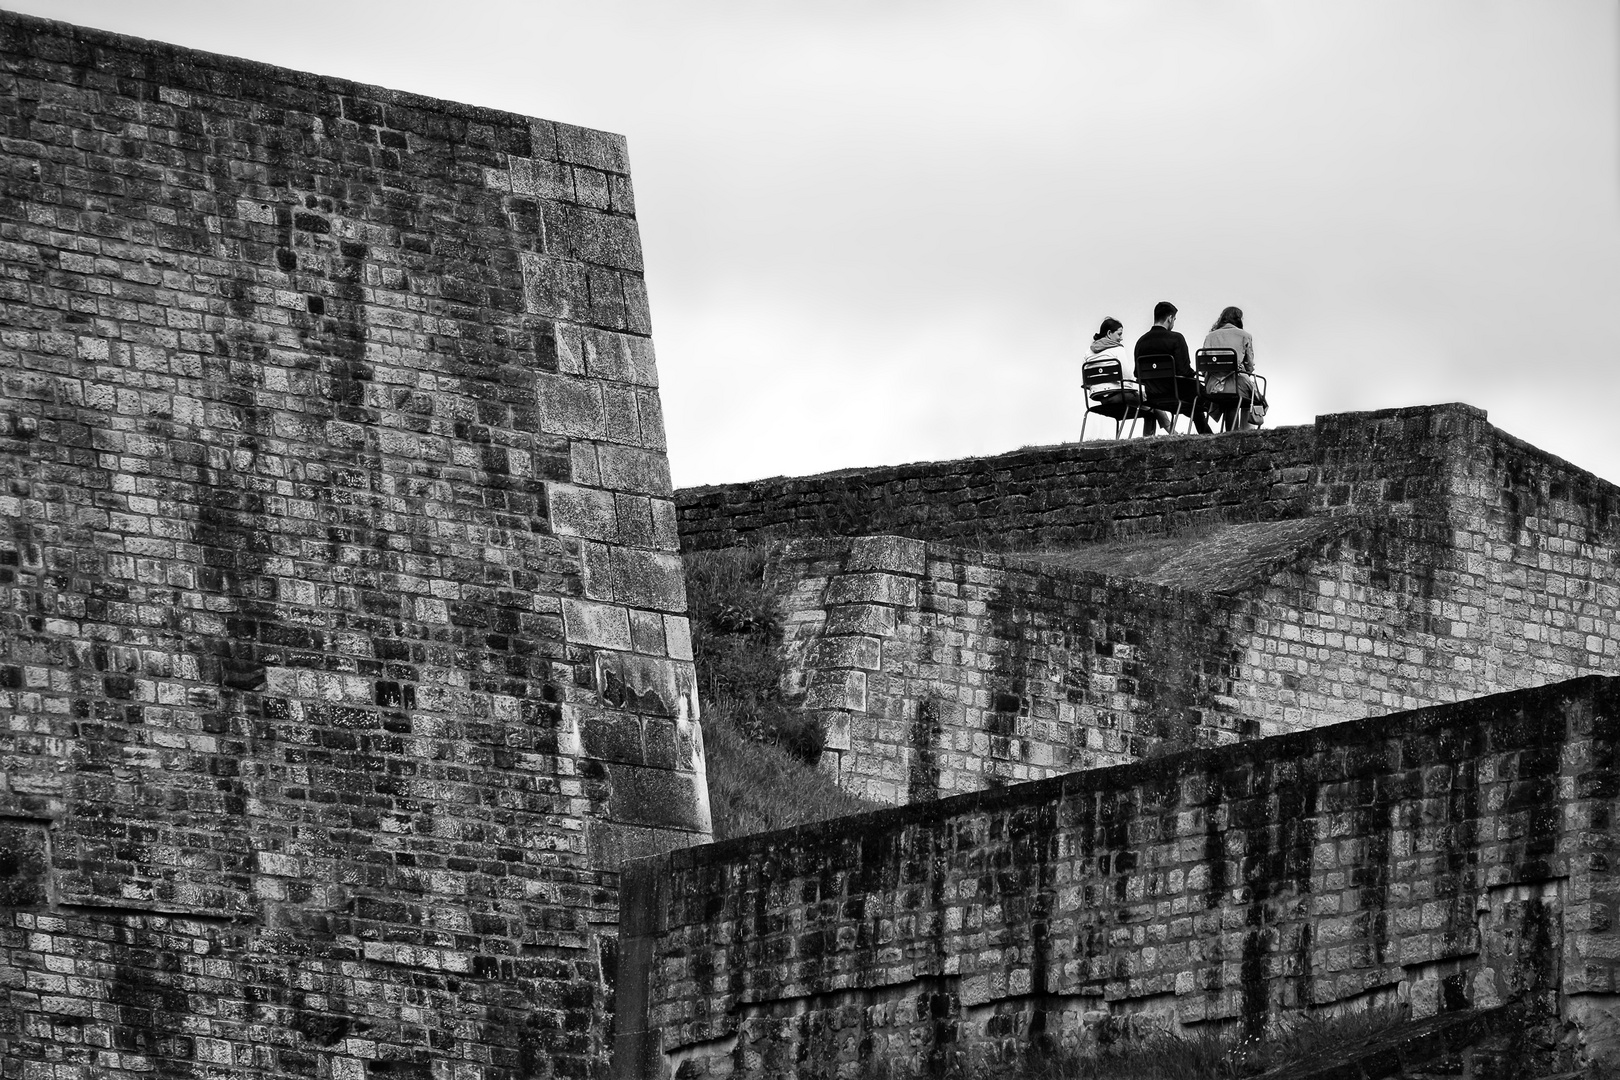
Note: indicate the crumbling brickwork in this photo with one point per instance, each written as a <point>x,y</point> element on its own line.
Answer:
<point>1042,496</point>
<point>343,649</point>
<point>1450,858</point>
<point>1434,559</point>
<point>937,670</point>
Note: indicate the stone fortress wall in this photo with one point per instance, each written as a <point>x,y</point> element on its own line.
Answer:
<point>1450,859</point>
<point>1199,591</point>
<point>1043,496</point>
<point>344,659</point>
<point>343,650</point>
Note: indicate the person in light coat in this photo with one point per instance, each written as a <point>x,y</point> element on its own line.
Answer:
<point>1228,333</point>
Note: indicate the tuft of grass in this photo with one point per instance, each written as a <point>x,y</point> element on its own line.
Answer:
<point>761,747</point>
<point>758,786</point>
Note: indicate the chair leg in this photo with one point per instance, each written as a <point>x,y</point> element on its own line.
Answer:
<point>1083,420</point>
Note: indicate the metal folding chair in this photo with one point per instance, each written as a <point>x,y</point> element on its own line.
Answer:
<point>1218,373</point>
<point>1160,387</point>
<point>1109,393</point>
<point>1222,381</point>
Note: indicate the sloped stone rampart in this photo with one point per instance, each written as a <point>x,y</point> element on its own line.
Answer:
<point>1436,559</point>
<point>1445,859</point>
<point>343,650</point>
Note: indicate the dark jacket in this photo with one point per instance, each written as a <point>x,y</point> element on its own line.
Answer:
<point>1158,342</point>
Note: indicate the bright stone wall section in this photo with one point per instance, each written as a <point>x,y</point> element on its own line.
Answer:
<point>1422,557</point>
<point>343,648</point>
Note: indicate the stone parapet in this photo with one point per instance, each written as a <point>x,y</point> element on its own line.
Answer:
<point>1040,496</point>
<point>1446,859</point>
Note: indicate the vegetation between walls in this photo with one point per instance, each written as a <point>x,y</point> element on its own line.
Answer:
<point>761,749</point>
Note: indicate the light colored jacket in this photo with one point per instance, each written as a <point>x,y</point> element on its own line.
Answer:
<point>1238,340</point>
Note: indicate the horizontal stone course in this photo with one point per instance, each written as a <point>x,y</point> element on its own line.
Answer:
<point>1046,496</point>
<point>1442,859</point>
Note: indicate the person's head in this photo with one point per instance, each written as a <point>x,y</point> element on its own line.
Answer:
<point>1230,316</point>
<point>1109,325</point>
<point>1164,314</point>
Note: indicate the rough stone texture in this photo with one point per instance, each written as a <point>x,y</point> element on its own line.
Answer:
<point>343,649</point>
<point>1044,496</point>
<point>1452,858</point>
<point>1438,559</point>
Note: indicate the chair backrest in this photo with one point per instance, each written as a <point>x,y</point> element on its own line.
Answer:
<point>1217,362</point>
<point>1101,374</point>
<point>1218,369</point>
<point>1157,374</point>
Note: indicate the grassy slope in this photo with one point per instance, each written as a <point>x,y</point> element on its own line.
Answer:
<point>760,748</point>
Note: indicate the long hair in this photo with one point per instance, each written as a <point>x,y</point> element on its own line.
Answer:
<point>1109,325</point>
<point>1230,316</point>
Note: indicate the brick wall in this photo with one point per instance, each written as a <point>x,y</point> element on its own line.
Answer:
<point>1048,496</point>
<point>1449,858</point>
<point>343,649</point>
<point>937,670</point>
<point>1440,560</point>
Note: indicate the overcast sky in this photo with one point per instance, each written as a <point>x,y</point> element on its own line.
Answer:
<point>884,232</point>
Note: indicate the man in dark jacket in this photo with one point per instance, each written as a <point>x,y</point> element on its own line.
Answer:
<point>1162,340</point>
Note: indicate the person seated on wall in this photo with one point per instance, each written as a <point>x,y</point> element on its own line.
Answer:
<point>1228,333</point>
<point>1162,340</point>
<point>1108,343</point>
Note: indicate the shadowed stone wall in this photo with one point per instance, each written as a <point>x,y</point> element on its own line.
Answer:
<point>1451,858</point>
<point>343,649</point>
<point>1429,558</point>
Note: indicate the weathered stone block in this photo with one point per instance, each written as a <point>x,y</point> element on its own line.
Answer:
<point>894,554</point>
<point>837,690</point>
<point>598,149</point>
<point>627,468</point>
<point>635,520</point>
<point>647,632</point>
<point>644,684</point>
<point>605,626</point>
<point>872,619</point>
<point>554,286</point>
<point>660,797</point>
<point>578,233</point>
<point>665,537</point>
<point>586,512</point>
<point>678,636</point>
<point>849,652</point>
<point>872,588</point>
<point>648,579</point>
<point>572,406</point>
<point>611,735</point>
<point>836,726</point>
<point>622,358</point>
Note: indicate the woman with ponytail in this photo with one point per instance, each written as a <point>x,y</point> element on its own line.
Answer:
<point>1108,343</point>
